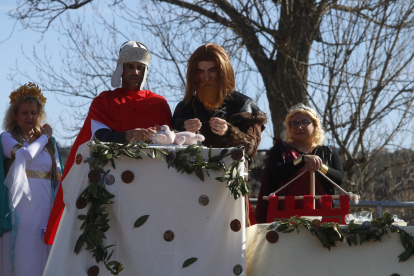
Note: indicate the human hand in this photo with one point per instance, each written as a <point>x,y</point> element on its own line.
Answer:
<point>146,134</point>
<point>192,125</point>
<point>138,134</point>
<point>47,130</point>
<point>313,162</point>
<point>218,126</point>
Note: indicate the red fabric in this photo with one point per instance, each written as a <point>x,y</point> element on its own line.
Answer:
<point>263,205</point>
<point>252,217</point>
<point>120,110</point>
<point>328,214</point>
<point>299,187</point>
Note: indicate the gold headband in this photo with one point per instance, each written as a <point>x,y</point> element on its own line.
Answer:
<point>27,90</point>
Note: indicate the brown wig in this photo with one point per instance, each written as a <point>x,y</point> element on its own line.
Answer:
<point>210,52</point>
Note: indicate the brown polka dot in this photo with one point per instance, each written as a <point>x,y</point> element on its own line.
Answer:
<point>272,236</point>
<point>169,235</point>
<point>94,176</point>
<point>237,155</point>
<point>203,200</point>
<point>237,270</point>
<point>127,177</point>
<point>81,203</point>
<point>316,223</point>
<point>395,274</point>
<point>235,225</point>
<point>78,159</point>
<point>93,271</point>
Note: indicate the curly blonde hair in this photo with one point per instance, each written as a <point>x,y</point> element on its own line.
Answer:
<point>10,125</point>
<point>9,121</point>
<point>318,133</point>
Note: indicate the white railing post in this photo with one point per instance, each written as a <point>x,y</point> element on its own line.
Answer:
<point>312,187</point>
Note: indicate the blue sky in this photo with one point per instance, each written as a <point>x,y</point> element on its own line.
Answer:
<point>11,53</point>
<point>14,42</point>
<point>24,41</point>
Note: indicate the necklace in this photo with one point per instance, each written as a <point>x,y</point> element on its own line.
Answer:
<point>301,148</point>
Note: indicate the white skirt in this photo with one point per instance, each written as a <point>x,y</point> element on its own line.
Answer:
<point>31,252</point>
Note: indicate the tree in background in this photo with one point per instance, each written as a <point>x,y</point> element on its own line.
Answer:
<point>351,60</point>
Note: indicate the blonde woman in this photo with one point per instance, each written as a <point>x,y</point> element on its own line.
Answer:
<point>31,173</point>
<point>301,149</point>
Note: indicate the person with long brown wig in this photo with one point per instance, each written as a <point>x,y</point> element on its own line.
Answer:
<point>29,176</point>
<point>214,109</point>
<point>301,149</point>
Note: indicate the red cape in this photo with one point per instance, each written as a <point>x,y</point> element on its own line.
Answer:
<point>120,110</point>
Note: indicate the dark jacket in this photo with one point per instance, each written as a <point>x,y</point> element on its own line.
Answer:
<point>244,119</point>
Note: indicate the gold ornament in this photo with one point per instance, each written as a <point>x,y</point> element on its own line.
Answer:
<point>27,90</point>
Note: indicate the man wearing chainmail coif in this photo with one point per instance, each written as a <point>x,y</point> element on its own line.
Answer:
<point>119,115</point>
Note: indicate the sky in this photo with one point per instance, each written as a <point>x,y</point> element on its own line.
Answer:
<point>15,43</point>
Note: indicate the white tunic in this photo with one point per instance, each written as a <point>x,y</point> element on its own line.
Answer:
<point>30,253</point>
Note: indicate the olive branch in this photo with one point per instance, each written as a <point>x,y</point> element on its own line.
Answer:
<point>329,233</point>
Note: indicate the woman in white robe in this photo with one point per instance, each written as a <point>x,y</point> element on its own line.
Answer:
<point>31,159</point>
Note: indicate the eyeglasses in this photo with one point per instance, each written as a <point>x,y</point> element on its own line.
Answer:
<point>303,124</point>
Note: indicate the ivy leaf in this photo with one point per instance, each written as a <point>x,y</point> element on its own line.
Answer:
<point>190,148</point>
<point>189,262</point>
<point>208,174</point>
<point>363,237</point>
<point>162,151</point>
<point>112,263</point>
<point>354,239</point>
<point>140,221</point>
<point>82,217</point>
<point>159,157</point>
<point>406,254</point>
<point>223,152</point>
<point>113,163</point>
<point>110,255</point>
<point>282,227</point>
<point>199,173</point>
<point>403,239</point>
<point>322,238</point>
<point>348,240</point>
<point>79,244</point>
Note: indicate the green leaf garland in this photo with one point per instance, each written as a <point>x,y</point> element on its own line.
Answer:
<point>189,160</point>
<point>329,233</point>
<point>95,223</point>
